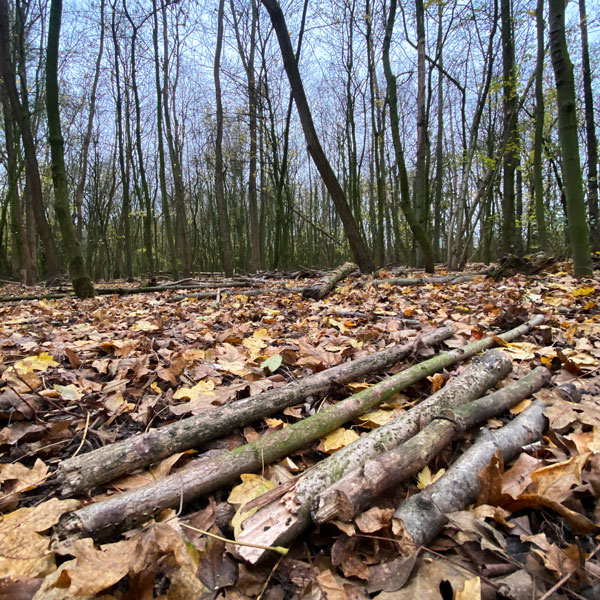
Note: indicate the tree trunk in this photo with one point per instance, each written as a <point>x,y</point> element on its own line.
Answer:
<point>357,244</point>
<point>418,231</point>
<point>590,132</point>
<point>219,185</point>
<point>82,284</point>
<point>579,237</point>
<point>510,241</point>
<point>538,178</point>
<point>164,196</point>
<point>421,171</point>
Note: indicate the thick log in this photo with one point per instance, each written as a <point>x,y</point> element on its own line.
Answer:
<point>354,493</point>
<point>282,515</point>
<point>321,290</point>
<point>84,472</point>
<point>285,515</point>
<point>420,518</point>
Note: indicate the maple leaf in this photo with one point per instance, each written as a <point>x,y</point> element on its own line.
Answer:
<point>202,388</point>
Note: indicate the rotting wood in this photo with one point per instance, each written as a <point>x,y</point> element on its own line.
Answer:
<point>282,516</point>
<point>86,471</point>
<point>104,519</point>
<point>420,518</point>
<point>353,494</point>
<point>284,513</point>
<point>434,280</point>
<point>320,290</point>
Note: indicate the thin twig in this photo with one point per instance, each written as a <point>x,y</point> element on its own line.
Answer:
<point>87,424</point>
<point>278,549</point>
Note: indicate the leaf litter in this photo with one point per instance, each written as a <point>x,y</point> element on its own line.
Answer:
<point>77,375</point>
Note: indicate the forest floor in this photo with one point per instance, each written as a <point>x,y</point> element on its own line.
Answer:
<point>80,374</point>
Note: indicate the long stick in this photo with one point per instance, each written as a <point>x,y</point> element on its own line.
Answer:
<point>107,463</point>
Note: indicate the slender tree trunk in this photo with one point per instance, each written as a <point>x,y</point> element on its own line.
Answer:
<point>22,117</point>
<point>590,133</point>
<point>219,186</point>
<point>161,149</point>
<point>357,244</point>
<point>124,228</point>
<point>82,284</point>
<point>88,134</point>
<point>421,175</point>
<point>510,242</point>
<point>538,179</point>
<point>439,144</point>
<point>579,237</point>
<point>418,231</point>
<point>174,144</point>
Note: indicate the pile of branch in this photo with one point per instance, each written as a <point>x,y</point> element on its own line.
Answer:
<point>123,511</point>
<point>433,280</point>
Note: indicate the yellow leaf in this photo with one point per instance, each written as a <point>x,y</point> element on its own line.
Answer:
<point>520,407</point>
<point>584,291</point>
<point>425,477</point>
<point>235,367</point>
<point>274,423</point>
<point>155,387</point>
<point>252,487</point>
<point>339,438</point>
<point>471,590</point>
<point>35,363</point>
<point>202,387</point>
<point>552,301</point>
<point>359,385</point>
<point>376,418</point>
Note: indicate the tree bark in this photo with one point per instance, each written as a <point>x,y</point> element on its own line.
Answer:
<point>357,244</point>
<point>219,185</point>
<point>590,132</point>
<point>538,178</point>
<point>162,176</point>
<point>107,463</point>
<point>510,235</point>
<point>418,231</point>
<point>354,493</point>
<point>579,237</point>
<point>82,284</point>
<point>319,291</point>
<point>420,518</point>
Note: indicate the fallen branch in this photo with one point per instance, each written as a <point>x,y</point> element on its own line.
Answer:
<point>420,518</point>
<point>80,474</point>
<point>321,290</point>
<point>353,494</point>
<point>127,510</point>
<point>252,292</point>
<point>283,516</point>
<point>437,279</point>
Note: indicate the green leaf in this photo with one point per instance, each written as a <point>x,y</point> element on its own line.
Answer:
<point>272,363</point>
